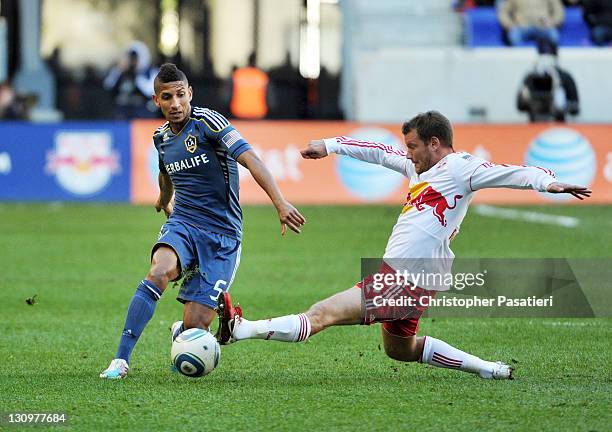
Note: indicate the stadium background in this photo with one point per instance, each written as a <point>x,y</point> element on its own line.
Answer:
<point>76,185</point>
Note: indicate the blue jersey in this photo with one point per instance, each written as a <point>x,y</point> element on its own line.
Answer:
<point>201,161</point>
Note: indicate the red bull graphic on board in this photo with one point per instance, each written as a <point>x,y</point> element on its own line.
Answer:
<point>423,194</point>
<point>83,161</point>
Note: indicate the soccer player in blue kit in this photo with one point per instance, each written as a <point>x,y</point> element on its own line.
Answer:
<point>198,181</point>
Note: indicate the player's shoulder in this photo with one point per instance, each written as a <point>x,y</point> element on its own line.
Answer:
<point>215,121</point>
<point>461,164</point>
<point>461,155</point>
<point>161,130</point>
<point>463,158</point>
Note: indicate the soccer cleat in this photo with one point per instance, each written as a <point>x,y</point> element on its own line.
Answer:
<point>117,369</point>
<point>228,316</point>
<point>176,330</point>
<point>501,371</point>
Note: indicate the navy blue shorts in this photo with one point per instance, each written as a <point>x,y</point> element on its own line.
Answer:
<point>208,261</point>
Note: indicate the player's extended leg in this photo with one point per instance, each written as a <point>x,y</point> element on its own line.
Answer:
<point>409,348</point>
<point>164,268</point>
<point>343,308</point>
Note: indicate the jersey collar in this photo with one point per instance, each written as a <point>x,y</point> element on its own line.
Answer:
<point>184,126</point>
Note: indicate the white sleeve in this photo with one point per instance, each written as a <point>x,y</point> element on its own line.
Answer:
<point>372,152</point>
<point>481,174</point>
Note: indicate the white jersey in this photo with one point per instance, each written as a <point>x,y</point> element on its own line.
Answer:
<point>437,200</point>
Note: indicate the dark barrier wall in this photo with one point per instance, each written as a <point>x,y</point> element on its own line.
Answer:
<point>70,161</point>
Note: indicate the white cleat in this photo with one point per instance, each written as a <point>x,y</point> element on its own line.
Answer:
<point>117,369</point>
<point>500,371</point>
<point>175,330</point>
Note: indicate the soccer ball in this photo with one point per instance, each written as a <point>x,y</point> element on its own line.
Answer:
<point>195,352</point>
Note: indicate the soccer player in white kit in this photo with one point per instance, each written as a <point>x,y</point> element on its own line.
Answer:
<point>442,184</point>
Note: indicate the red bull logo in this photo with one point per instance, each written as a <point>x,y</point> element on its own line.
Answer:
<point>83,162</point>
<point>423,194</point>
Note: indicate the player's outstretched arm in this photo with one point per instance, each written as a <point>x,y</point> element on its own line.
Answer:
<point>371,152</point>
<point>288,215</point>
<point>488,175</point>
<point>165,201</point>
<point>580,192</point>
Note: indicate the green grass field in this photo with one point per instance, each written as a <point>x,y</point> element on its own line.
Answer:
<point>84,262</point>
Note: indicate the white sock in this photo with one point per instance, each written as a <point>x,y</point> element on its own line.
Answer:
<point>440,354</point>
<point>288,328</point>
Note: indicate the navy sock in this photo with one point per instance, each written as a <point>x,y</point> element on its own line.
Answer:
<point>139,313</point>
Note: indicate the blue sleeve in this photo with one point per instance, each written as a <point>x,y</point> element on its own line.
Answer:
<point>160,163</point>
<point>162,167</point>
<point>219,129</point>
<point>235,144</point>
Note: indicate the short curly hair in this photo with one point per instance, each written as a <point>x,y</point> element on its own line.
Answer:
<point>168,72</point>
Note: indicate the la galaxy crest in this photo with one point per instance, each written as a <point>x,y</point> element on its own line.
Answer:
<point>191,143</point>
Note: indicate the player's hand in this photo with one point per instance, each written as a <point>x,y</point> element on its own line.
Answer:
<point>315,150</point>
<point>580,192</point>
<point>168,208</point>
<point>290,217</point>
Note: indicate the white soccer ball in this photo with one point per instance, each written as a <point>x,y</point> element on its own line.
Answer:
<point>195,353</point>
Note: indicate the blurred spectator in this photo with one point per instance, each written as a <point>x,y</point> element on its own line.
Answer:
<point>249,91</point>
<point>14,106</point>
<point>131,82</point>
<point>325,93</point>
<point>598,16</point>
<point>287,91</point>
<point>548,91</point>
<point>531,20</point>
<point>7,102</point>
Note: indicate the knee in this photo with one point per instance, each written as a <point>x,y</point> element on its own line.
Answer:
<point>160,275</point>
<point>317,316</point>
<point>404,355</point>
<point>553,36</point>
<point>401,349</point>
<point>394,354</point>
<point>164,267</point>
